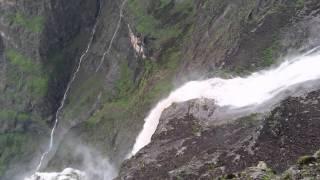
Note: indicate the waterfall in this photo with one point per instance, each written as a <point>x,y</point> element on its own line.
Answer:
<point>58,112</point>
<point>70,173</point>
<point>238,92</point>
<point>113,36</point>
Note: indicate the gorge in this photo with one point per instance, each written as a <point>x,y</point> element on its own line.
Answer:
<point>161,89</point>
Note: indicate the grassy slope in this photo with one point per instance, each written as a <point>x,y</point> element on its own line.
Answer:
<point>26,86</point>
<point>130,99</point>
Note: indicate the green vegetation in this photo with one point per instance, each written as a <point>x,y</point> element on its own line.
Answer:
<point>14,147</point>
<point>268,57</point>
<point>13,115</point>
<point>155,25</point>
<point>12,143</point>
<point>250,120</point>
<point>185,6</point>
<point>286,176</point>
<point>38,85</point>
<point>305,160</point>
<point>132,99</point>
<point>164,3</point>
<point>269,175</point>
<point>27,74</point>
<point>128,99</point>
<point>8,114</point>
<point>196,129</point>
<point>145,23</point>
<point>300,3</point>
<point>269,54</point>
<point>33,24</point>
<point>307,168</point>
<point>125,84</point>
<point>17,59</point>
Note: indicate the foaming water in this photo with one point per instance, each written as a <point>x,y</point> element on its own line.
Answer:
<point>91,164</point>
<point>66,174</point>
<point>238,92</point>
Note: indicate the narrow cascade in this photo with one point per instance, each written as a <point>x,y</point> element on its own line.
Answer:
<point>58,112</point>
<point>236,93</point>
<point>70,173</point>
<point>113,36</point>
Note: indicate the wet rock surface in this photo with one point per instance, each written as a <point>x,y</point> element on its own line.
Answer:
<point>185,147</point>
<point>307,167</point>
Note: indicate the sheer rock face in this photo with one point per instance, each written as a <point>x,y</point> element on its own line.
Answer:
<point>32,80</point>
<point>234,37</point>
<point>184,146</point>
<point>181,40</point>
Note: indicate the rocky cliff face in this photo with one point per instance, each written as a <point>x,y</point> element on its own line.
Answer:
<point>243,39</point>
<point>32,81</point>
<point>186,145</point>
<point>41,43</point>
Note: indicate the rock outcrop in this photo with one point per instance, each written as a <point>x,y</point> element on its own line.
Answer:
<point>186,145</point>
<point>307,167</point>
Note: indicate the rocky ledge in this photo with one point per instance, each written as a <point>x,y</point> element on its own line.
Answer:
<point>186,145</point>
<point>307,167</point>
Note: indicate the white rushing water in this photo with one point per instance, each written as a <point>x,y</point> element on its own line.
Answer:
<point>237,92</point>
<point>66,174</point>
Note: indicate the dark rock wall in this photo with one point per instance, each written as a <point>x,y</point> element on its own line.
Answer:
<point>183,147</point>
<point>32,33</point>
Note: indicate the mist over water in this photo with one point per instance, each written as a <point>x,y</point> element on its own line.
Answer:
<point>96,166</point>
<point>239,92</point>
<point>236,93</point>
<point>87,164</point>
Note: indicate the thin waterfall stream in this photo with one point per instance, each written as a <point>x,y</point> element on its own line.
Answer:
<point>68,171</point>
<point>235,93</point>
<point>59,110</point>
<point>113,36</point>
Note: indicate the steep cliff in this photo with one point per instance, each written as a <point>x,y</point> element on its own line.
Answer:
<point>140,51</point>
<point>190,144</point>
<point>244,36</point>
<point>32,80</point>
